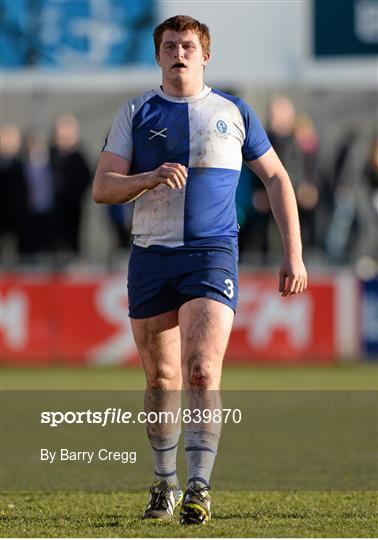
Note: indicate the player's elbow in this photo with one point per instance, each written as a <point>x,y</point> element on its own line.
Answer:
<point>98,191</point>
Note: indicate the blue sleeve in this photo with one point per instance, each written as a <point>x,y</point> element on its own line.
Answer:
<point>256,141</point>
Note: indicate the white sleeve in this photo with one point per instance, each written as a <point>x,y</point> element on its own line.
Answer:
<point>119,139</point>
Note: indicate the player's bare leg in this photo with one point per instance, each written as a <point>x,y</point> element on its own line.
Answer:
<point>158,343</point>
<point>205,327</point>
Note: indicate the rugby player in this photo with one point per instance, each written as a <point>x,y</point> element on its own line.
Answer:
<point>177,152</point>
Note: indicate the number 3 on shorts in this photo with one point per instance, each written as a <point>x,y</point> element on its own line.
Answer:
<point>230,288</point>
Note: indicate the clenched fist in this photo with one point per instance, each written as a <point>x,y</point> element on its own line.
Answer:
<point>174,175</point>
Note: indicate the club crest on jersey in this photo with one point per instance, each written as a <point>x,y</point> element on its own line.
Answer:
<point>158,133</point>
<point>221,127</point>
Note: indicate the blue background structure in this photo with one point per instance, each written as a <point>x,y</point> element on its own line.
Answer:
<point>84,34</point>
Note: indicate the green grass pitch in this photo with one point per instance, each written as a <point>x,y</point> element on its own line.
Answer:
<point>235,513</point>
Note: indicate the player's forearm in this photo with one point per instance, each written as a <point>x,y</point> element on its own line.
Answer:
<point>115,188</point>
<point>285,211</point>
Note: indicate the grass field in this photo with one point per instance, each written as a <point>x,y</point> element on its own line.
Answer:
<point>335,377</point>
<point>235,513</point>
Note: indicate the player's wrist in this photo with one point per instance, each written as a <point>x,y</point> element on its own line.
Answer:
<point>149,180</point>
<point>293,249</point>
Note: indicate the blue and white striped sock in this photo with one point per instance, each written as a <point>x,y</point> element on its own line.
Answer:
<point>201,449</point>
<point>164,449</point>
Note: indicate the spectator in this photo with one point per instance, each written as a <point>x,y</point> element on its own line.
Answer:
<point>244,209</point>
<point>308,185</point>
<point>341,235</point>
<point>371,173</point>
<point>41,197</point>
<point>120,216</point>
<point>13,200</point>
<point>72,176</point>
<point>367,206</point>
<point>280,130</point>
<point>252,207</point>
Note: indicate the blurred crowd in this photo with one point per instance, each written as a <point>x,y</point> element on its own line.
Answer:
<point>45,185</point>
<point>46,181</point>
<point>337,202</point>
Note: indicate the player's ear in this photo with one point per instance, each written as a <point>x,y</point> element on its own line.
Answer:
<point>158,59</point>
<point>205,59</point>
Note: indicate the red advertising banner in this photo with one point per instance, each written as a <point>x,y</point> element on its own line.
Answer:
<point>293,329</point>
<point>93,321</point>
<point>28,319</point>
<point>84,320</point>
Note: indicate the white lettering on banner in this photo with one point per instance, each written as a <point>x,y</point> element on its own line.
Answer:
<point>261,313</point>
<point>14,319</point>
<point>111,304</point>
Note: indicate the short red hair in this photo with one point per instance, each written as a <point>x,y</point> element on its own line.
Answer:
<point>182,23</point>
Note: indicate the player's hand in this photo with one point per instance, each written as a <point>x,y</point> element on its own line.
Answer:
<point>292,276</point>
<point>173,175</point>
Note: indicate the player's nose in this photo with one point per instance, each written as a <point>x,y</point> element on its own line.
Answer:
<point>180,51</point>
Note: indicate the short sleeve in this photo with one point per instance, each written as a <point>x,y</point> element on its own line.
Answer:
<point>256,141</point>
<point>119,139</point>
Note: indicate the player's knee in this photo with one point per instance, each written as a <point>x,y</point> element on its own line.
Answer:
<point>162,383</point>
<point>164,380</point>
<point>201,374</point>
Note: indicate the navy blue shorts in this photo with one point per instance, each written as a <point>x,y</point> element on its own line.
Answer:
<point>161,279</point>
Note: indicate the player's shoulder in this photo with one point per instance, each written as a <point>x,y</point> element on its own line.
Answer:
<point>135,103</point>
<point>237,101</point>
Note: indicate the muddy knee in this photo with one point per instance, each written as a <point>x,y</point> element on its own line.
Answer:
<point>201,372</point>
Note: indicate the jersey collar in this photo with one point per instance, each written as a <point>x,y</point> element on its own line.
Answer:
<point>187,99</point>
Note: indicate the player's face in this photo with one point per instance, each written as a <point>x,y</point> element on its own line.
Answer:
<point>181,57</point>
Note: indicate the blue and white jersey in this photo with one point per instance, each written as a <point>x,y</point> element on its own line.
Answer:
<point>210,134</point>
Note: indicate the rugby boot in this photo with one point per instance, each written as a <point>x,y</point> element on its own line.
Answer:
<point>163,499</point>
<point>195,508</point>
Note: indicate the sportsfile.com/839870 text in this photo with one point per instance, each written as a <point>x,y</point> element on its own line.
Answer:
<point>114,415</point>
